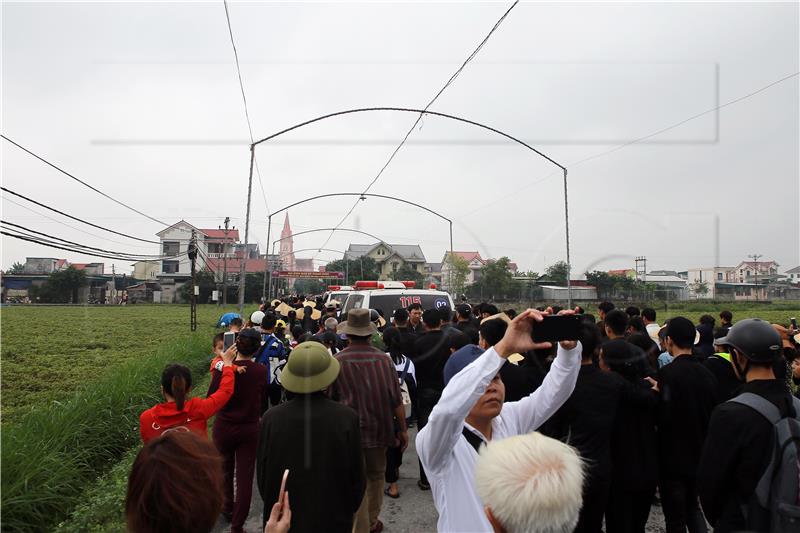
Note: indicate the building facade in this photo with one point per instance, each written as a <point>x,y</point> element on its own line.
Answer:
<point>389,257</point>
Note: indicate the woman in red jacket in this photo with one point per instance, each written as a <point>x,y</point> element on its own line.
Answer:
<point>182,414</point>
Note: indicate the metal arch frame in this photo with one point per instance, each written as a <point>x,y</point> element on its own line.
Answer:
<point>421,112</point>
<point>269,265</point>
<point>363,196</point>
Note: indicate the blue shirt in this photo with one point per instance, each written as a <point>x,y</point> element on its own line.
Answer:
<point>664,359</point>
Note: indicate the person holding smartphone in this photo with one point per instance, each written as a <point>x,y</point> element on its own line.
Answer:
<point>182,414</point>
<point>471,412</point>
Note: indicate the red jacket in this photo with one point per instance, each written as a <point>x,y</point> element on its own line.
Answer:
<point>195,413</point>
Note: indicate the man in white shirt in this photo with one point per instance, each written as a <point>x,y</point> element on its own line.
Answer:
<point>471,411</point>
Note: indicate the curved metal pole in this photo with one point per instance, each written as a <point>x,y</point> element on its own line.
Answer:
<point>458,119</point>
<point>267,269</point>
<point>409,110</point>
<point>326,229</point>
<point>370,195</point>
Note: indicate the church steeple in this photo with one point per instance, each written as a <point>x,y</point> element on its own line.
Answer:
<point>287,245</point>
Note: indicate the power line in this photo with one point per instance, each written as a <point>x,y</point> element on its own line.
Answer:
<point>682,122</point>
<point>50,244</point>
<point>4,189</point>
<point>143,257</point>
<point>42,215</point>
<point>629,143</point>
<point>419,118</point>
<point>98,191</point>
<point>244,100</point>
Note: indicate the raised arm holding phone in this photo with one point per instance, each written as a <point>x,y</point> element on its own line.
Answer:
<point>471,412</point>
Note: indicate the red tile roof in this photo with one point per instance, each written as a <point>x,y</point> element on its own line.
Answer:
<point>468,256</point>
<point>79,266</point>
<point>233,235</point>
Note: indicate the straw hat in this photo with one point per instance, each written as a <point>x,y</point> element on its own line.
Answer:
<point>315,313</point>
<point>283,309</point>
<point>309,369</point>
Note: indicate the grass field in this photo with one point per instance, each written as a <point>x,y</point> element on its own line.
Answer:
<point>49,352</point>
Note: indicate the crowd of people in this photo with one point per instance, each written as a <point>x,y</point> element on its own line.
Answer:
<point>513,435</point>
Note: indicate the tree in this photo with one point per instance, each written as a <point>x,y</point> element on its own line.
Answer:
<point>61,286</point>
<point>407,272</point>
<point>603,282</point>
<point>207,283</point>
<point>699,288</point>
<point>557,273</point>
<point>458,270</point>
<point>16,268</point>
<point>496,280</point>
<point>309,286</point>
<point>355,269</point>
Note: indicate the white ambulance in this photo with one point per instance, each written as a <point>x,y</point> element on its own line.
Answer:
<point>387,296</point>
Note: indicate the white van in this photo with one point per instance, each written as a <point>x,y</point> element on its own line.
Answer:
<point>338,293</point>
<point>387,296</point>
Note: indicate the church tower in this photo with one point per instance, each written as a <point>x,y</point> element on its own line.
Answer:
<point>287,246</point>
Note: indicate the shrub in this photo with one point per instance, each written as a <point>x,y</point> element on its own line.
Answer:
<point>50,455</point>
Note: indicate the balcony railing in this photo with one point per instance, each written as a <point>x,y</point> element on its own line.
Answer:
<point>229,255</point>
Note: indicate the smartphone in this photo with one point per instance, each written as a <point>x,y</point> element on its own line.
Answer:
<point>794,322</point>
<point>557,328</point>
<point>228,339</point>
<point>282,492</point>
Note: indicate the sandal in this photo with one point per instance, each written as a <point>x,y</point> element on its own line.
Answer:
<point>389,494</point>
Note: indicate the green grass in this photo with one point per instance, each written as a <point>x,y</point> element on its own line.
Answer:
<point>75,404</point>
<point>102,505</point>
<point>50,352</point>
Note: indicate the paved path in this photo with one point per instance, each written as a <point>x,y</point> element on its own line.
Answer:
<point>413,512</point>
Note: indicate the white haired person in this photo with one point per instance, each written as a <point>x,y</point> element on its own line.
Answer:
<point>530,483</point>
<point>471,412</point>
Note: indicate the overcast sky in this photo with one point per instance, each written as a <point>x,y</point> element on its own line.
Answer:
<point>142,101</point>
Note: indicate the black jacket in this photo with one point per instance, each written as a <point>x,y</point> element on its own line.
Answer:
<point>319,441</point>
<point>586,420</point>
<point>736,452</point>
<point>633,440</point>
<point>727,383</point>
<point>431,351</point>
<point>687,397</point>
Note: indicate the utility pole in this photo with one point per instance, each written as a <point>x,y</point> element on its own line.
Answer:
<point>226,230</point>
<point>113,285</point>
<point>193,258</point>
<point>755,258</point>
<point>242,272</point>
<point>641,274</point>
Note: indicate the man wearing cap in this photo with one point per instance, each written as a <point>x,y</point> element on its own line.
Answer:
<point>471,411</point>
<point>368,383</point>
<point>687,395</point>
<point>739,444</point>
<point>319,441</point>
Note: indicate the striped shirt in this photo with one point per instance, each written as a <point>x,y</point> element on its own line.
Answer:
<point>368,383</point>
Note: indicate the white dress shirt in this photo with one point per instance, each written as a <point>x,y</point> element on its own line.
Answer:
<point>449,460</point>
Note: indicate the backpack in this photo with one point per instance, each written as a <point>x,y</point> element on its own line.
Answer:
<point>272,348</point>
<point>404,394</point>
<point>775,506</point>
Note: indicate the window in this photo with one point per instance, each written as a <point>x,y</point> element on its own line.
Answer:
<point>169,267</point>
<point>215,248</point>
<point>395,264</point>
<point>171,248</point>
<point>719,276</point>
